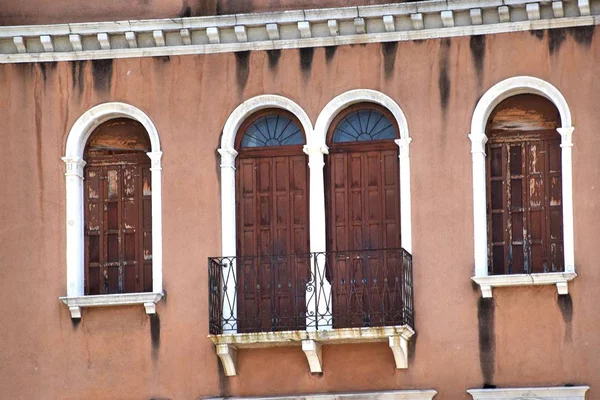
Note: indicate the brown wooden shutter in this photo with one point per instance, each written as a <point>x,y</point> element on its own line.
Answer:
<point>118,225</point>
<point>525,203</point>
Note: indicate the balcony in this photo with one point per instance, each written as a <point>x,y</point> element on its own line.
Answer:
<point>309,300</point>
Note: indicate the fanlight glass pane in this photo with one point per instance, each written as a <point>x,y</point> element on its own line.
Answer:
<point>272,130</point>
<point>364,125</point>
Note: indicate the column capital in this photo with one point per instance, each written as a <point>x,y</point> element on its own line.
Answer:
<point>155,157</point>
<point>74,166</point>
<point>566,135</point>
<point>228,158</point>
<point>478,141</point>
<point>315,150</point>
<point>403,144</point>
<point>315,155</point>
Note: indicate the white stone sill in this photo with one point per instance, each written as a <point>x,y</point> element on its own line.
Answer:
<point>553,393</point>
<point>387,395</point>
<point>560,279</point>
<point>226,345</point>
<point>75,304</point>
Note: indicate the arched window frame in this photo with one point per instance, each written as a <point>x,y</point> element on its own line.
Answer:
<point>76,142</point>
<point>327,116</point>
<point>228,195</point>
<point>486,105</point>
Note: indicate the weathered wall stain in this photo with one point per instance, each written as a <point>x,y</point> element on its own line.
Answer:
<point>538,33</point>
<point>584,35</point>
<point>389,50</point>
<point>242,68</point>
<point>412,348</point>
<point>274,56</point>
<point>444,78</point>
<point>155,334</point>
<point>330,53</point>
<point>487,339</point>
<point>477,46</point>
<point>565,305</point>
<point>186,10</point>
<point>306,59</point>
<point>75,322</point>
<point>556,37</point>
<point>102,72</point>
<point>77,74</point>
<point>37,94</point>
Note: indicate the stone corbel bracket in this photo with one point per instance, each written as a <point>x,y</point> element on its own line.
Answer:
<point>397,337</point>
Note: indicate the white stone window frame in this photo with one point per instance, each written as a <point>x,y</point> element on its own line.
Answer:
<point>494,96</point>
<point>76,142</point>
<point>532,393</point>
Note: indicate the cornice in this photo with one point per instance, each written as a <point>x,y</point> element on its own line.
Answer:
<point>288,29</point>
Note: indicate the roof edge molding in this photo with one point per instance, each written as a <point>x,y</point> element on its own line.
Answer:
<point>288,29</point>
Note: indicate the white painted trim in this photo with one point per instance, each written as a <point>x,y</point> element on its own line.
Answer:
<point>228,154</point>
<point>366,95</point>
<point>76,141</point>
<point>389,395</point>
<point>311,342</point>
<point>494,96</point>
<point>191,35</point>
<point>550,393</point>
<point>560,279</point>
<point>75,304</point>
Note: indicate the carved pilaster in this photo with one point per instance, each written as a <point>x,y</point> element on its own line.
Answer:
<point>228,158</point>
<point>566,135</point>
<point>74,166</point>
<point>155,157</point>
<point>478,141</point>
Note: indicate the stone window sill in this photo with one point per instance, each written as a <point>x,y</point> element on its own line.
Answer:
<point>388,395</point>
<point>560,279</point>
<point>75,304</point>
<point>550,393</point>
<point>311,341</point>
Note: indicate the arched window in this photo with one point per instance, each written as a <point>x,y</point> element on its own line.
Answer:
<point>272,222</point>
<point>113,209</point>
<point>363,222</point>
<point>522,186</point>
<point>363,186</point>
<point>118,209</point>
<point>525,222</point>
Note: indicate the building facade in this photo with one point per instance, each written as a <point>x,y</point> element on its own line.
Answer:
<point>299,200</point>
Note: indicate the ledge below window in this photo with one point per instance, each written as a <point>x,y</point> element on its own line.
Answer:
<point>396,336</point>
<point>550,393</point>
<point>75,304</point>
<point>560,279</point>
<point>388,395</point>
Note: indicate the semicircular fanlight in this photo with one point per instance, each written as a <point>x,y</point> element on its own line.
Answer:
<point>364,125</point>
<point>272,130</point>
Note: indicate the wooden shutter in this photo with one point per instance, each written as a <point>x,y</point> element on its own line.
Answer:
<point>272,231</point>
<point>118,225</point>
<point>363,204</point>
<point>525,203</point>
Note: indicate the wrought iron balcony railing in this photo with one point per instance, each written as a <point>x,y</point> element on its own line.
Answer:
<point>313,291</point>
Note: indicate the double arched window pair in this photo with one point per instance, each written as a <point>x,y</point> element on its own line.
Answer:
<point>313,210</point>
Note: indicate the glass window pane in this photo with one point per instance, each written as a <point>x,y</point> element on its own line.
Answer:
<point>272,130</point>
<point>364,125</point>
